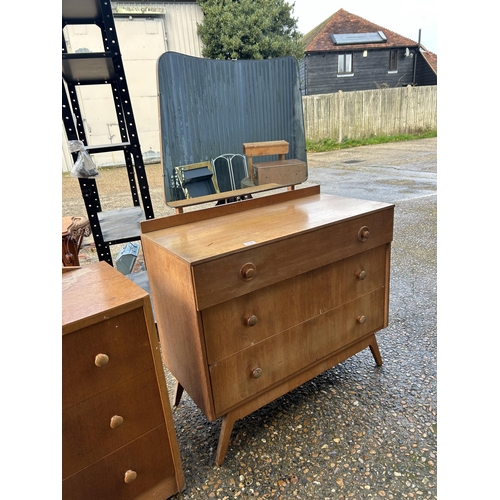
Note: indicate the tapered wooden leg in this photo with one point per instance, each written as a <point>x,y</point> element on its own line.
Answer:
<point>177,394</point>
<point>376,352</point>
<point>225,435</point>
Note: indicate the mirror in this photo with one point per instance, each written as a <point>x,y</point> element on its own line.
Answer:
<point>229,127</point>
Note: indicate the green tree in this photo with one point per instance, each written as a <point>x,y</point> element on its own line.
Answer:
<point>249,29</point>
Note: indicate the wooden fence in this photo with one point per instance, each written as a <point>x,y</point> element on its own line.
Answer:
<point>368,113</point>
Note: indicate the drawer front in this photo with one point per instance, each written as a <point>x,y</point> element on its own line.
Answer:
<point>243,272</point>
<point>100,425</point>
<point>149,457</point>
<point>122,339</point>
<point>237,324</point>
<point>257,368</point>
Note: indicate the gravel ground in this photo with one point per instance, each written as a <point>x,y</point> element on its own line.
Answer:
<point>357,431</point>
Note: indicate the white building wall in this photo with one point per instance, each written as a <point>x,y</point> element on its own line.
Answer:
<point>145,31</point>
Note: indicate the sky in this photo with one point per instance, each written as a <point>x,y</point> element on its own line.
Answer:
<point>404,18</point>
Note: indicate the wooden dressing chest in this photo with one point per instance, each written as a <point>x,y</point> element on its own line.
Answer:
<point>254,298</point>
<point>118,436</point>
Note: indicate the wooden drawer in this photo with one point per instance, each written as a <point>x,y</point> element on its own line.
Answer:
<point>287,353</point>
<point>128,355</point>
<point>230,326</point>
<point>149,456</point>
<point>258,266</point>
<point>86,427</point>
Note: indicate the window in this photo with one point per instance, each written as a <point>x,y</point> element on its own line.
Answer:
<point>351,38</point>
<point>393,60</point>
<point>345,63</point>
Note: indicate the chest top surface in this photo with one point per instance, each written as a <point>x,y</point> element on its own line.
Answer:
<point>96,292</point>
<point>201,240</point>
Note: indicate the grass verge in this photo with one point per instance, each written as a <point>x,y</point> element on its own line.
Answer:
<point>330,145</point>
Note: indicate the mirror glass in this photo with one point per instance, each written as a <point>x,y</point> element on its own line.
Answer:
<point>229,126</point>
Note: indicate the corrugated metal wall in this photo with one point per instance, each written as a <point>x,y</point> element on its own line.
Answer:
<point>181,27</point>
<point>180,20</point>
<point>210,107</point>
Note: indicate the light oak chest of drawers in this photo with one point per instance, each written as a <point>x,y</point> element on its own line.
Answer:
<point>255,298</point>
<point>118,436</point>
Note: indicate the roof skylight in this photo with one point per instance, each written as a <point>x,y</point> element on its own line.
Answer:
<point>356,38</point>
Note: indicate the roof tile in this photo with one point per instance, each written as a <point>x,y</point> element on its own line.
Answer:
<point>318,39</point>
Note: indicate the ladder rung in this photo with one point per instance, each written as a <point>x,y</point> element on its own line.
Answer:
<point>121,225</point>
<point>80,12</point>
<point>88,68</point>
<point>105,148</point>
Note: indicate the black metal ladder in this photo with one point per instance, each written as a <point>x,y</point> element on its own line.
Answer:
<point>96,68</point>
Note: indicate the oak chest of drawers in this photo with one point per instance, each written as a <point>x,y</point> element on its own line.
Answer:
<point>118,436</point>
<point>255,298</point>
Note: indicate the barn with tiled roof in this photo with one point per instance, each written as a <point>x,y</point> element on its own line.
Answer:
<point>346,52</point>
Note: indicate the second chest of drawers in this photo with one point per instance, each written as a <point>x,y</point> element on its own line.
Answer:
<point>118,434</point>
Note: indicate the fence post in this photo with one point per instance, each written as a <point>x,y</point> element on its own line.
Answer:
<point>408,98</point>
<point>341,114</point>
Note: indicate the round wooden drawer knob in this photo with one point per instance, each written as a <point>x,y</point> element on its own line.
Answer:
<point>363,233</point>
<point>361,320</point>
<point>101,360</point>
<point>251,320</point>
<point>247,271</point>
<point>256,372</point>
<point>361,275</point>
<point>130,476</point>
<point>116,421</point>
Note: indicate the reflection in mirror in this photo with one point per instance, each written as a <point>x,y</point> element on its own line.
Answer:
<point>229,128</point>
<point>196,180</point>
<point>230,171</point>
